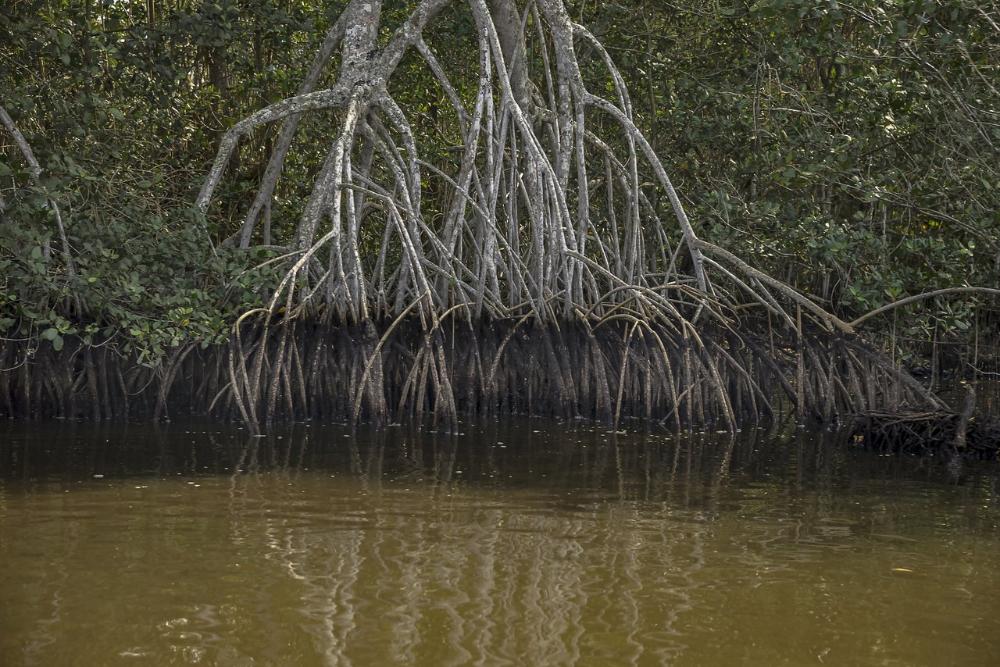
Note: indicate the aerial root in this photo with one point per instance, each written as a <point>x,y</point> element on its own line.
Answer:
<point>576,295</point>
<point>627,367</point>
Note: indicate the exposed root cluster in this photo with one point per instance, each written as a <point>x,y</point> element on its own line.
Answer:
<point>293,369</point>
<point>927,434</point>
<point>545,226</point>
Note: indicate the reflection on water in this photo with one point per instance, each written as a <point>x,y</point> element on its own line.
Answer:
<point>523,544</point>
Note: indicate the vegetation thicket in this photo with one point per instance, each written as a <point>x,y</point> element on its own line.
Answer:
<point>389,207</point>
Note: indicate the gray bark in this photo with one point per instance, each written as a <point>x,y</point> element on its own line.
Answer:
<point>35,169</point>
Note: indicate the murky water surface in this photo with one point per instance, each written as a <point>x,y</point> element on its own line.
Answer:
<point>526,543</point>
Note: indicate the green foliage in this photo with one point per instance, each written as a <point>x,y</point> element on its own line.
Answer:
<point>849,148</point>
<point>123,104</point>
<point>149,282</point>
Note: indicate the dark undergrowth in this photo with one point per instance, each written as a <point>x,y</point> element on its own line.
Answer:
<point>382,373</point>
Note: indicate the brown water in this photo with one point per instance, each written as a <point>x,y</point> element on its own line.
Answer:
<point>523,544</point>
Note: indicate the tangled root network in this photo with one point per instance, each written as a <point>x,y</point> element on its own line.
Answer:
<point>554,270</point>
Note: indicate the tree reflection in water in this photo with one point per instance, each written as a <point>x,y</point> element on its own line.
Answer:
<point>520,543</point>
